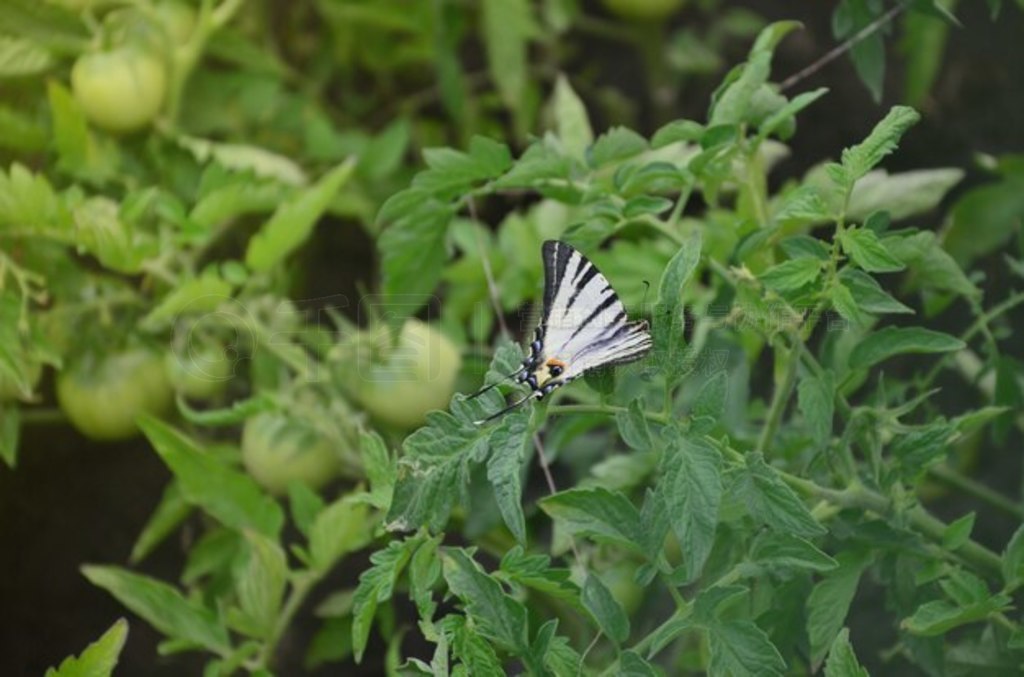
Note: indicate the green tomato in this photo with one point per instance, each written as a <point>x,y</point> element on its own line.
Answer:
<point>619,579</point>
<point>278,449</point>
<point>178,20</point>
<point>102,398</point>
<point>418,376</point>
<point>644,10</point>
<point>121,90</point>
<point>200,376</point>
<point>9,390</point>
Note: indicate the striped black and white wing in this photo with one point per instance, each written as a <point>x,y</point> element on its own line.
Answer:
<point>584,323</point>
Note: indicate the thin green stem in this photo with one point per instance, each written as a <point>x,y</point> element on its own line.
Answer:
<point>781,397</point>
<point>301,587</point>
<point>958,480</point>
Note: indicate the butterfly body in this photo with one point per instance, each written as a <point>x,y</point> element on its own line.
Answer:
<point>584,326</point>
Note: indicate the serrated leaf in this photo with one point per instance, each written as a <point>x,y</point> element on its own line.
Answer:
<point>261,584</point>
<point>199,295</point>
<point>99,658</point>
<point>162,606</point>
<point>571,122</point>
<point>342,527</point>
<point>732,106</point>
<point>711,399</point>
<point>805,204</point>
<point>292,223</point>
<point>168,514</point>
<point>676,131</point>
<point>633,426</point>
<point>791,275</point>
<point>226,494</point>
<point>47,24</point>
<point>603,515</point>
<point>778,119</point>
<point>816,400</point>
<point>958,532</point>
<point>868,252</point>
<point>770,501</point>
<point>376,585</point>
<point>785,551</point>
<point>20,57</point>
<point>742,648</point>
<point>932,267</point>
<point>380,468</point>
<point>901,195</point>
<point>690,487</point>
<point>868,295</point>
<point>862,158</point>
<point>830,600</point>
<point>667,329</point>
<point>842,662</point>
<point>475,653</point>
<point>497,616</point>
<point>507,446</point>
<point>451,171</point>
<point>618,143</point>
<point>605,609</point>
<point>940,616</point>
<point>890,341</point>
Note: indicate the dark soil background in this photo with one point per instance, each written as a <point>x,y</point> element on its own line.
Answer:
<point>71,502</point>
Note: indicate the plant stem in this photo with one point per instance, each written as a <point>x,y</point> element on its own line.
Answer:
<point>976,489</point>
<point>780,399</point>
<point>301,587</point>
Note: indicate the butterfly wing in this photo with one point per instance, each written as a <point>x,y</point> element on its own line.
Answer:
<point>584,321</point>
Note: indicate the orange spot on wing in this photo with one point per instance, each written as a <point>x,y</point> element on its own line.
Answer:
<point>552,362</point>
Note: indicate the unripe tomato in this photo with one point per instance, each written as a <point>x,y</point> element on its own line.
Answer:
<point>278,449</point>
<point>201,375</point>
<point>103,397</point>
<point>121,90</point>
<point>418,376</point>
<point>644,10</point>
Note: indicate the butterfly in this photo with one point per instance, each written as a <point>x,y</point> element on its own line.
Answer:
<point>583,326</point>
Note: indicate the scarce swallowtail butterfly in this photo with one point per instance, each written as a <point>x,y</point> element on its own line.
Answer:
<point>583,326</point>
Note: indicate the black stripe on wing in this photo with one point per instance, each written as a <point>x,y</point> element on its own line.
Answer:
<point>600,308</point>
<point>556,258</point>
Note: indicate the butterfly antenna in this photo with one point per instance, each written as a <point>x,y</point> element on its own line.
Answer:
<point>514,405</point>
<point>496,383</point>
<point>643,303</point>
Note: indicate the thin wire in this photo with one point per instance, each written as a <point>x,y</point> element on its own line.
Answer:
<point>837,51</point>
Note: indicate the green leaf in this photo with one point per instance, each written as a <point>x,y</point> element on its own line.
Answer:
<point>923,47</point>
<point>868,295</point>
<point>890,341</point>
<point>791,275</point>
<point>376,585</point>
<point>242,193</point>
<point>984,219</point>
<point>380,468</point>
<point>742,648</point>
<point>20,57</point>
<point>80,153</point>
<point>292,222</point>
<point>496,615</point>
<point>261,584</point>
<point>633,426</point>
<point>304,504</point>
<point>1013,559</point>
<point>47,24</point>
<point>246,158</point>
<point>867,54</point>
<point>958,532</point>
<point>618,143</point>
<point>424,572</point>
<point>868,252</point>
<point>507,27</point>
<point>940,616</point>
<point>605,516</point>
<point>632,664</point>
<point>932,267</point>
<point>342,527</point>
<point>199,295</point>
<point>711,399</point>
<point>676,131</point>
<point>571,122</point>
<point>830,600</point>
<point>507,450</point>
<point>99,658</point>
<point>667,329</point>
<point>170,512</point>
<point>733,104</point>
<point>451,171</point>
<point>228,495</point>
<point>10,433</point>
<point>902,195</point>
<point>20,132</point>
<point>770,501</point>
<point>862,158</point>
<point>608,613</point>
<point>816,400</point>
<point>535,572</point>
<point>842,662</point>
<point>474,652</point>
<point>779,118</point>
<point>162,606</point>
<point>690,486</point>
<point>805,204</point>
<point>785,551</point>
